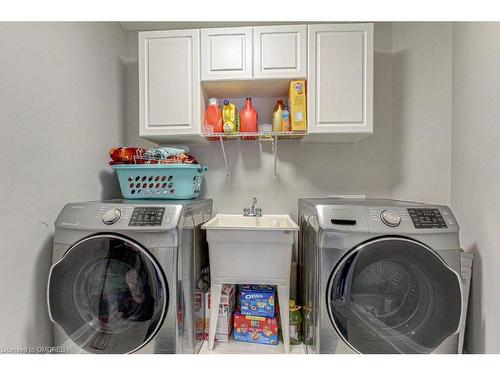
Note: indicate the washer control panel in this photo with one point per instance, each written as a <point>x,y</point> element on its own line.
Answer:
<point>146,216</point>
<point>426,218</point>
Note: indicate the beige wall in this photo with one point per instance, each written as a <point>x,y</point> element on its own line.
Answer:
<point>61,108</point>
<point>421,153</point>
<point>475,177</point>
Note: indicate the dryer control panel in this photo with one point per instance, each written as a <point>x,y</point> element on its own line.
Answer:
<point>146,216</point>
<point>426,218</point>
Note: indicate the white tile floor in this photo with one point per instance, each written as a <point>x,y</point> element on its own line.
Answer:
<point>241,347</point>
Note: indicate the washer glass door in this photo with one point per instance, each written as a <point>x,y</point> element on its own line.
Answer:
<point>394,295</point>
<point>108,294</point>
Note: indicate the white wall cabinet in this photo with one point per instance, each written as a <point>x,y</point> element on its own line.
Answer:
<point>226,53</point>
<point>169,85</point>
<point>261,52</point>
<point>180,69</point>
<point>340,81</point>
<point>280,51</point>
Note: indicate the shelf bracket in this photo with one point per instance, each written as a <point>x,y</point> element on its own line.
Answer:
<point>275,142</point>
<point>224,154</point>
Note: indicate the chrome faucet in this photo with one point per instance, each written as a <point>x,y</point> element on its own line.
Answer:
<point>254,212</point>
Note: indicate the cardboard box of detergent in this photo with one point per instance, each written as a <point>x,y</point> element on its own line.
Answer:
<point>297,105</point>
<point>258,300</point>
<point>256,329</point>
<point>226,309</point>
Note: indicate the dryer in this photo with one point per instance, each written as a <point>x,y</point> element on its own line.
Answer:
<point>379,276</point>
<point>126,276</point>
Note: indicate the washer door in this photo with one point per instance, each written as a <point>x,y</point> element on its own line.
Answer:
<point>108,294</point>
<point>394,295</point>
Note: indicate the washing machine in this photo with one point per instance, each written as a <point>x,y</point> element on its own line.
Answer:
<point>127,277</point>
<point>379,276</point>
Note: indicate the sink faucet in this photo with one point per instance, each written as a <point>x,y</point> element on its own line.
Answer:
<point>254,212</point>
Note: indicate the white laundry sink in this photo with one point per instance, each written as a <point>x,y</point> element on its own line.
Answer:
<point>251,250</point>
<point>265,222</point>
<point>243,247</point>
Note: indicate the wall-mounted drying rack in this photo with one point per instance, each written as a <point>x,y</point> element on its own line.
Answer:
<point>273,137</point>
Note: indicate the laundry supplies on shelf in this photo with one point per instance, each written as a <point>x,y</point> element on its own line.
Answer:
<point>213,118</point>
<point>297,106</point>
<point>249,118</point>
<point>276,117</point>
<point>230,118</point>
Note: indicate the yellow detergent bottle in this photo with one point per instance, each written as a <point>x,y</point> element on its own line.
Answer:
<point>278,110</point>
<point>230,118</point>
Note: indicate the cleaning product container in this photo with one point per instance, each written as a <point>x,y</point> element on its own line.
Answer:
<point>160,181</point>
<point>251,250</point>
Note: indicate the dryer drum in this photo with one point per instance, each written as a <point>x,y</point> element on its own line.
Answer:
<point>394,295</point>
<point>108,294</point>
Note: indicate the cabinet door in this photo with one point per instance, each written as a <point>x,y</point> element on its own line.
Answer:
<point>226,53</point>
<point>280,51</point>
<point>340,79</point>
<point>169,84</point>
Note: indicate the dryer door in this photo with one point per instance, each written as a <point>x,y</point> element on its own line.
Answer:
<point>108,294</point>
<point>394,295</point>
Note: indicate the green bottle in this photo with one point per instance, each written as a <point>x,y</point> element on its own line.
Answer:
<point>295,319</point>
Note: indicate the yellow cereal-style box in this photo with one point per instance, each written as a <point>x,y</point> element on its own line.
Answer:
<point>297,105</point>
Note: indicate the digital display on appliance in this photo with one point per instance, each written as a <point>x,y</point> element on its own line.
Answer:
<point>146,216</point>
<point>426,218</point>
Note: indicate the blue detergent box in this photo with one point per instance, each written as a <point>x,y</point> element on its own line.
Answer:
<point>258,300</point>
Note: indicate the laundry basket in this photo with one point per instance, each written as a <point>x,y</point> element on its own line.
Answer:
<point>160,181</point>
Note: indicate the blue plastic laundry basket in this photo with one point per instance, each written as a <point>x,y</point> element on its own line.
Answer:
<point>160,181</point>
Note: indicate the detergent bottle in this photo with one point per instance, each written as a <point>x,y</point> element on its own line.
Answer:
<point>249,118</point>
<point>213,117</point>
<point>230,118</point>
<point>277,111</point>
<point>285,120</point>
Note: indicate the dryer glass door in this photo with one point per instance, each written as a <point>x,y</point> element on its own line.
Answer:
<point>394,295</point>
<point>108,294</point>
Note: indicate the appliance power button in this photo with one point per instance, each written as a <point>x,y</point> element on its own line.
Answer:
<point>390,218</point>
<point>111,216</point>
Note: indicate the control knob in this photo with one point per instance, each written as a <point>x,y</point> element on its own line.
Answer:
<point>390,218</point>
<point>111,216</point>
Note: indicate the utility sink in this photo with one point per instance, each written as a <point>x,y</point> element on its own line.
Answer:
<point>241,222</point>
<point>250,250</point>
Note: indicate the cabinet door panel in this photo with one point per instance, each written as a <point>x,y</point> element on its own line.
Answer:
<point>340,77</point>
<point>280,51</point>
<point>226,53</point>
<point>169,83</point>
<point>170,86</point>
<point>340,95</point>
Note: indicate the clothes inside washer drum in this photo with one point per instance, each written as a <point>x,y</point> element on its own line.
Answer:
<point>107,295</point>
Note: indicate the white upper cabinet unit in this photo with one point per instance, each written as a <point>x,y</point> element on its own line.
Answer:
<point>226,53</point>
<point>169,85</point>
<point>280,51</point>
<point>340,81</point>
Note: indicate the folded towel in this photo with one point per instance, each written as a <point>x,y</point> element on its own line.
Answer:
<point>162,153</point>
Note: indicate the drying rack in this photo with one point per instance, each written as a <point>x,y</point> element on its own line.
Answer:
<point>273,137</point>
